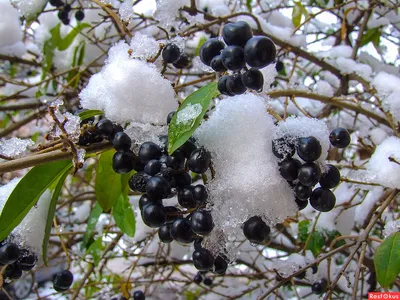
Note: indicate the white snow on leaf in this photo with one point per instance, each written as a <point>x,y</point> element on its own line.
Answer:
<point>189,113</point>
<point>14,146</point>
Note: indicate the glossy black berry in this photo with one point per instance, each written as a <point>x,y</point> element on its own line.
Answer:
<point>65,21</point>
<point>217,65</point>
<point>181,180</point>
<point>158,188</point>
<point>154,215</point>
<point>116,128</point>
<point>169,118</point>
<point>13,272</point>
<point>237,33</point>
<point>234,85</point>
<point>138,182</point>
<point>9,253</point>
<point>181,231</point>
<point>122,142</point>
<point>171,53</point>
<point>182,62</point>
<point>172,213</point>
<point>67,7</point>
<point>198,278</point>
<point>322,199</point>
<point>232,58</point>
<point>166,161</point>
<point>253,79</point>
<point>139,295</point>
<point>339,137</point>
<point>301,204</point>
<point>331,178</point>
<point>210,49</point>
<point>152,167</point>
<point>203,260</point>
<point>208,281</point>
<point>79,15</point>
<point>200,193</point>
<point>185,198</point>
<point>222,88</point>
<point>149,151</point>
<point>302,191</point>
<point>259,52</point>
<point>164,234</point>
<point>56,3</point>
<point>289,169</point>
<point>202,222</point>
<point>220,265</point>
<point>63,15</point>
<point>188,147</point>
<point>255,230</point>
<point>63,280</point>
<point>178,160</point>
<point>319,286</point>
<point>145,200</point>
<point>26,260</point>
<point>309,174</point>
<point>308,148</point>
<point>282,148</point>
<point>199,161</point>
<point>104,127</point>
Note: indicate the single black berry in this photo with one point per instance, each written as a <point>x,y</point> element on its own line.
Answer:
<point>253,79</point>
<point>259,52</point>
<point>9,253</point>
<point>202,222</point>
<point>237,33</point>
<point>181,180</point>
<point>138,183</point>
<point>26,260</point>
<point>104,127</point>
<point>148,151</point>
<point>154,215</point>
<point>203,260</point>
<point>331,178</point>
<point>217,65</point>
<point>208,281</point>
<point>182,62</point>
<point>222,88</point>
<point>309,174</point>
<point>166,161</point>
<point>13,272</point>
<point>255,230</point>
<point>188,147</point>
<point>200,193</point>
<point>122,142</point>
<point>199,161</point>
<point>279,66</point>
<point>282,148</point>
<point>185,198</point>
<point>139,295</point>
<point>172,213</point>
<point>198,278</point>
<point>116,128</point>
<point>158,188</point>
<point>234,85</point>
<point>301,204</point>
<point>169,118</point>
<point>339,137</point>
<point>56,3</point>
<point>210,49</point>
<point>63,15</point>
<point>152,167</point>
<point>171,53</point>
<point>63,280</point>
<point>322,199</point>
<point>145,200</point>
<point>181,231</point>
<point>302,191</point>
<point>67,7</point>
<point>289,169</point>
<point>220,265</point>
<point>178,160</point>
<point>319,286</point>
<point>232,58</point>
<point>308,148</point>
<point>164,234</point>
<point>79,15</point>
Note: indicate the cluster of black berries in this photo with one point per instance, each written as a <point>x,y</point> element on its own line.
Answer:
<point>171,54</point>
<point>242,48</point>
<point>16,260</point>
<point>199,277</point>
<point>64,10</point>
<point>303,177</point>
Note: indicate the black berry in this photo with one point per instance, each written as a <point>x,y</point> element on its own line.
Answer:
<point>63,280</point>
<point>253,79</point>
<point>181,180</point>
<point>331,178</point>
<point>181,231</point>
<point>122,142</point>
<point>139,295</point>
<point>309,174</point>
<point>199,161</point>
<point>279,66</point>
<point>171,53</point>
<point>303,192</point>
<point>188,147</point>
<point>319,286</point>
<point>164,234</point>
<point>104,127</point>
<point>56,3</point>
<point>185,198</point>
<point>152,167</point>
<point>9,253</point>
<point>208,281</point>
<point>259,52</point>
<point>198,278</point>
<point>200,193</point>
<point>148,151</point>
<point>13,272</point>
<point>232,58</point>
<point>154,215</point>
<point>158,188</point>
<point>308,148</point>
<point>339,137</point>
<point>202,222</point>
<point>138,182</point>
<point>282,148</point>
<point>289,169</point>
<point>145,200</point>
<point>234,85</point>
<point>79,15</point>
<point>210,49</point>
<point>217,65</point>
<point>182,62</point>
<point>116,128</point>
<point>222,88</point>
<point>322,199</point>
<point>203,260</point>
<point>220,265</point>
<point>237,33</point>
<point>301,204</point>
<point>255,230</point>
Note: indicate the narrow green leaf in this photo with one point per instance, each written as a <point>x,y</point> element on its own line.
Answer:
<point>27,193</point>
<point>387,260</point>
<point>316,242</point>
<point>91,224</point>
<point>108,185</point>
<point>67,40</point>
<point>81,54</point>
<point>189,115</point>
<point>371,35</point>
<point>297,14</point>
<point>89,113</point>
<point>124,216</point>
<point>56,187</point>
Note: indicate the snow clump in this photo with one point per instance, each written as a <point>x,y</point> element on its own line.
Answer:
<point>14,146</point>
<point>10,28</point>
<point>29,8</point>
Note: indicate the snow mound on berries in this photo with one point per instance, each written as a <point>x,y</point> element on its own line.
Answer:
<point>385,171</point>
<point>296,127</point>
<point>29,8</point>
<point>247,180</point>
<point>10,28</point>
<point>129,90</point>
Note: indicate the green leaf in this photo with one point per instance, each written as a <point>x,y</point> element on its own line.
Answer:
<point>89,113</point>
<point>27,192</point>
<point>67,40</point>
<point>95,250</point>
<point>371,35</point>
<point>316,242</point>
<point>180,132</point>
<point>56,186</point>
<point>248,4</point>
<point>387,260</point>
<point>303,230</point>
<point>202,40</point>
<point>91,224</point>
<point>108,185</point>
<point>124,216</point>
<point>297,14</point>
